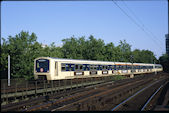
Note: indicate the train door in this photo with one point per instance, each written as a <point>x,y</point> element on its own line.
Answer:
<point>56,69</point>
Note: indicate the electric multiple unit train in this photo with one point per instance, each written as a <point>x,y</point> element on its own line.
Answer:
<point>48,68</point>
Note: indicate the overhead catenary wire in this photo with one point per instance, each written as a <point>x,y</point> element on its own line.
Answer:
<point>136,23</point>
<point>143,25</point>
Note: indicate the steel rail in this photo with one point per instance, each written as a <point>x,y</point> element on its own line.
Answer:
<point>75,96</point>
<point>138,92</point>
<point>145,105</point>
<point>100,94</point>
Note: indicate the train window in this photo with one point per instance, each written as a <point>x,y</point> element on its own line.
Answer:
<point>127,67</point>
<point>67,67</point>
<point>106,67</point>
<point>72,67</point>
<point>114,67</point>
<point>121,67</point>
<point>124,67</point>
<point>88,67</point>
<point>81,67</point>
<point>76,67</point>
<point>95,67</point>
<point>109,67</point>
<point>63,67</point>
<point>85,67</point>
<point>37,64</point>
<point>91,67</point>
<point>99,67</point>
<point>103,66</point>
<point>117,67</point>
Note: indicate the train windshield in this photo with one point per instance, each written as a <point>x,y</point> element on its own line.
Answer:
<point>42,65</point>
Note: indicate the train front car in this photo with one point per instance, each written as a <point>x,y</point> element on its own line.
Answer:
<point>42,69</point>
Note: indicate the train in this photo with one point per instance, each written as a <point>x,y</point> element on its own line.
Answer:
<point>49,68</point>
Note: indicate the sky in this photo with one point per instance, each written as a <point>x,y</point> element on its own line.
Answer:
<point>143,24</point>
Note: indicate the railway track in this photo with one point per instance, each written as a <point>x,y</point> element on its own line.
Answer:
<point>95,97</point>
<point>90,99</point>
<point>62,94</point>
<point>23,91</point>
<point>137,102</point>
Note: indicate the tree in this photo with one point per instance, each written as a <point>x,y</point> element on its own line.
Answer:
<point>70,48</point>
<point>110,52</point>
<point>94,49</point>
<point>125,51</point>
<point>21,49</point>
<point>24,48</point>
<point>164,61</point>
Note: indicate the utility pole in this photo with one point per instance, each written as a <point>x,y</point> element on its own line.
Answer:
<point>132,74</point>
<point>8,70</point>
<point>155,68</point>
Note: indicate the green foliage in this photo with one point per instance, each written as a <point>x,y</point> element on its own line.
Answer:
<point>144,56</point>
<point>125,51</point>
<point>118,77</point>
<point>83,49</point>
<point>23,48</point>
<point>164,60</point>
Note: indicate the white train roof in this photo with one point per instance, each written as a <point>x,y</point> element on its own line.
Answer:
<point>93,61</point>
